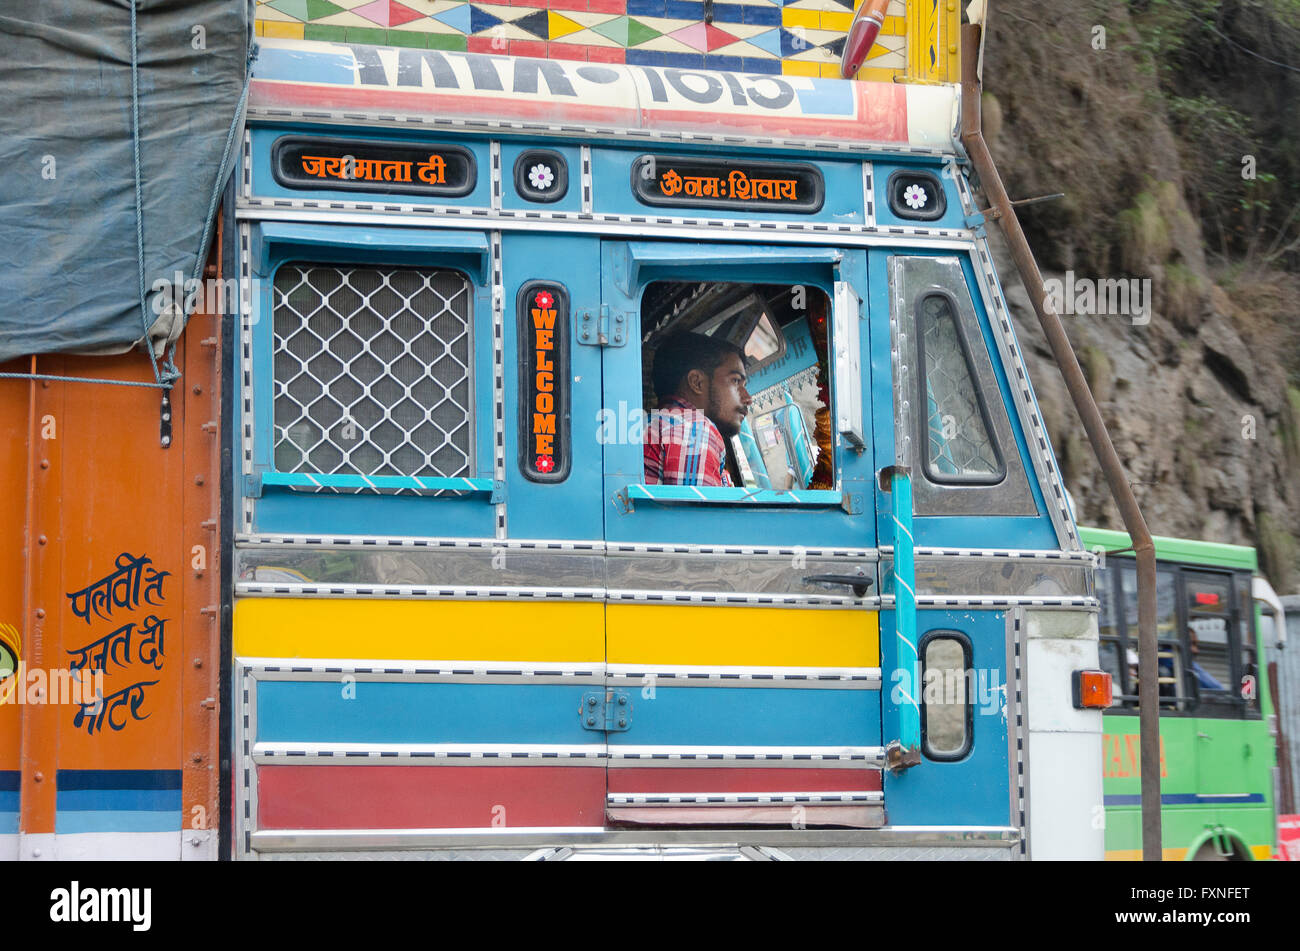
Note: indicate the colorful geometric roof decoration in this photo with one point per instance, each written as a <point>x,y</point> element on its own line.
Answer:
<point>791,37</point>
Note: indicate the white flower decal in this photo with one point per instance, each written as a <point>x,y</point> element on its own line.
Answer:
<point>540,177</point>
<point>915,196</point>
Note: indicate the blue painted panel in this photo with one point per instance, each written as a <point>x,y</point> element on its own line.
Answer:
<point>720,523</point>
<point>611,174</point>
<point>298,513</point>
<point>573,508</point>
<point>510,198</point>
<point>315,712</point>
<point>8,822</point>
<point>284,511</point>
<point>881,172</point>
<point>975,790</point>
<point>265,185</point>
<point>753,716</point>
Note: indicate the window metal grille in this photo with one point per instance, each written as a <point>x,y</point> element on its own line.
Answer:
<point>372,371</point>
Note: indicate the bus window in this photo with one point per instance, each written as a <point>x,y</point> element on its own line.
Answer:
<point>1111,647</point>
<point>1248,686</point>
<point>735,386</point>
<point>1209,634</point>
<point>959,447</point>
<point>1169,641</point>
<point>945,700</point>
<point>372,370</point>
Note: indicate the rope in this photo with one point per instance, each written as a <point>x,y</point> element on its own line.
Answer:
<point>82,379</point>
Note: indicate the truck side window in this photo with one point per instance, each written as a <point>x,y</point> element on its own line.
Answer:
<point>372,370</point>
<point>735,385</point>
<point>959,447</point>
<point>945,698</point>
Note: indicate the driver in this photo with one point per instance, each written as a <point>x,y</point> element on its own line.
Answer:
<point>700,383</point>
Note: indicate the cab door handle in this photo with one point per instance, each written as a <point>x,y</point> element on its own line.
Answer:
<point>859,583</point>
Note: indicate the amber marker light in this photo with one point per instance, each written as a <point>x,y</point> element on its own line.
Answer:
<point>1092,689</point>
<point>862,36</point>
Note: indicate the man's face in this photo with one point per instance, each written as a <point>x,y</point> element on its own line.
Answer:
<point>728,400</point>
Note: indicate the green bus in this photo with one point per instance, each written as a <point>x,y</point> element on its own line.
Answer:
<point>1216,750</point>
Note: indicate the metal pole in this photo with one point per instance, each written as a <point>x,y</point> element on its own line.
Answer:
<point>1143,548</point>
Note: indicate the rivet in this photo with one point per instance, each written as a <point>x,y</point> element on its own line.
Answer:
<point>198,390</point>
<point>45,463</point>
<point>198,480</point>
<point>38,777</point>
<point>41,540</point>
<point>198,662</point>
<point>40,612</point>
<point>591,721</point>
<point>622,723</point>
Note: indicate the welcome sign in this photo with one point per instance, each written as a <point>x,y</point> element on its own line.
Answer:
<point>544,445</point>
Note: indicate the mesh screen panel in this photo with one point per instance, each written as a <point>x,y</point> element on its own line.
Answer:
<point>372,371</point>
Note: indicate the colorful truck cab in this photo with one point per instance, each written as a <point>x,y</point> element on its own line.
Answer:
<point>463,616</point>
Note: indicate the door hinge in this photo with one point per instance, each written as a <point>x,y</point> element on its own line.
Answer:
<point>602,328</point>
<point>608,711</point>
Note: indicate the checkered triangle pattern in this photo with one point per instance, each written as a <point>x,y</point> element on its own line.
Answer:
<point>790,37</point>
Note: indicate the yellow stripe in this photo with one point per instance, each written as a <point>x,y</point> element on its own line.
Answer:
<point>747,637</point>
<point>1135,855</point>
<point>793,67</point>
<point>1261,852</point>
<point>288,31</point>
<point>419,630</point>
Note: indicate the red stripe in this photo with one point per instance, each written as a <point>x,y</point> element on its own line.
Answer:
<point>429,797</point>
<point>668,779</point>
<point>303,95</point>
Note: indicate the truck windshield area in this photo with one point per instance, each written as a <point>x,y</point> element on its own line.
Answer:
<point>735,384</point>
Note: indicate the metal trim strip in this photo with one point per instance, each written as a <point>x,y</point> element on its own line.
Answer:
<point>741,799</point>
<point>427,754</point>
<point>498,370</point>
<point>1080,555</point>
<point>858,755</point>
<point>733,598</point>
<point>381,541</point>
<point>291,840</point>
<point>272,589</point>
<point>396,215</point>
<point>257,115</point>
<point>855,678</point>
<point>1050,481</point>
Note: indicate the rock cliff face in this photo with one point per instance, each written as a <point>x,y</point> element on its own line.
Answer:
<point>1193,389</point>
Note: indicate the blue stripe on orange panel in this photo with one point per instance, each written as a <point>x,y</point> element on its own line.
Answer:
<point>377,712</point>
<point>10,780</point>
<point>118,800</point>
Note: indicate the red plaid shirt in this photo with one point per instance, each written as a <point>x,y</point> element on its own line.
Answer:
<point>683,447</point>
